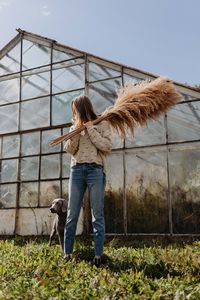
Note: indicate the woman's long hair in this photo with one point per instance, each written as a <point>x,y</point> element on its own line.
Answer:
<point>84,110</point>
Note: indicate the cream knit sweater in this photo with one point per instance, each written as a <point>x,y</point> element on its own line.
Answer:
<point>91,145</point>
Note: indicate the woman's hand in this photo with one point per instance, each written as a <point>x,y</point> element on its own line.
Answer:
<point>88,124</point>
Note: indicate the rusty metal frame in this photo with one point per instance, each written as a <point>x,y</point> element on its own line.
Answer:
<point>19,163</point>
<point>10,45</point>
<point>169,200</point>
<point>124,179</point>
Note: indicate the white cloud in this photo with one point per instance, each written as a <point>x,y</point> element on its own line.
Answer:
<point>45,11</point>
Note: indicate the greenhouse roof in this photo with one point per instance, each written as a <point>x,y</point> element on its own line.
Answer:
<point>48,41</point>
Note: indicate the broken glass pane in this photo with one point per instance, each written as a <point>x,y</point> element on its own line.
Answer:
<point>50,166</point>
<point>184,171</point>
<point>68,78</point>
<point>8,194</point>
<point>35,113</point>
<point>61,107</point>
<point>183,122</point>
<point>9,169</point>
<point>30,143</point>
<point>29,168</point>
<point>9,118</point>
<point>10,146</point>
<point>9,90</point>
<point>28,194</point>
<point>36,85</point>
<point>152,134</point>
<point>103,94</point>
<point>49,190</point>
<point>146,191</point>
<point>34,55</point>
<point>97,72</point>
<point>47,137</point>
<point>114,194</point>
<point>10,63</point>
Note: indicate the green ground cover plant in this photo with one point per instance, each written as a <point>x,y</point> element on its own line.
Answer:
<point>132,269</point>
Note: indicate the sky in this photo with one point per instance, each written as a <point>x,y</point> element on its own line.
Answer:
<point>157,36</point>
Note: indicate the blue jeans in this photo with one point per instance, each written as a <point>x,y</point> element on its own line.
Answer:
<point>82,176</point>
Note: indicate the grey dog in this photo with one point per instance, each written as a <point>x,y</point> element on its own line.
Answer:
<point>59,207</point>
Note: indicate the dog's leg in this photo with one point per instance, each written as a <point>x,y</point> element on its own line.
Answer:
<point>53,232</point>
<point>61,239</point>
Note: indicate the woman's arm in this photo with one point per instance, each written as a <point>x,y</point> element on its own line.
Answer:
<point>71,146</point>
<point>102,140</point>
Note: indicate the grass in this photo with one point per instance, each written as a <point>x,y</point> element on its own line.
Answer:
<point>132,269</point>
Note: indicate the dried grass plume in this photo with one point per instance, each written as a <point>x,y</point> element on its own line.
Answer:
<point>136,103</point>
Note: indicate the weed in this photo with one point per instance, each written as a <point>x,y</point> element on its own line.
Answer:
<point>30,269</point>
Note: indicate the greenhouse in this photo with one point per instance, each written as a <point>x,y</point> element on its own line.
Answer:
<point>153,181</point>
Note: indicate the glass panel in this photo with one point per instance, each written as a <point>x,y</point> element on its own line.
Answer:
<point>36,85</point>
<point>47,137</point>
<point>97,72</point>
<point>61,55</point>
<point>36,71</point>
<point>103,94</point>
<point>117,142</point>
<point>61,107</point>
<point>35,113</point>
<point>132,78</point>
<point>34,55</point>
<point>9,118</point>
<point>0,147</point>
<point>10,63</point>
<point>184,122</point>
<point>29,168</point>
<point>9,90</point>
<point>8,195</point>
<point>29,194</point>
<point>65,186</point>
<point>30,143</point>
<point>10,146</point>
<point>65,130</point>
<point>146,192</point>
<point>187,97</point>
<point>49,190</point>
<point>9,170</point>
<point>66,161</point>
<point>184,167</point>
<point>114,194</point>
<point>68,63</point>
<point>69,78</point>
<point>154,133</point>
<point>50,166</point>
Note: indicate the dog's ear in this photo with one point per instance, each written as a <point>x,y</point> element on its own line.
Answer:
<point>64,206</point>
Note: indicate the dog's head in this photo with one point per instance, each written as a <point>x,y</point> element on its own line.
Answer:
<point>59,206</point>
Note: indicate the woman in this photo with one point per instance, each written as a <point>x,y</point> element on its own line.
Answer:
<point>88,168</point>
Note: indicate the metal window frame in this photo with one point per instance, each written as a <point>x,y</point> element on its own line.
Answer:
<point>87,58</point>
